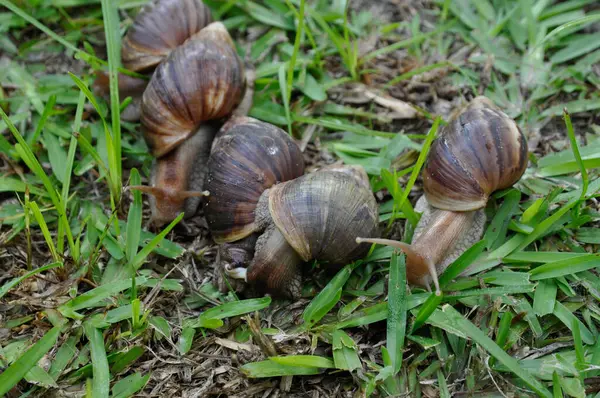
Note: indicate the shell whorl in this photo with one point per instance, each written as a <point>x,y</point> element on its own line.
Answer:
<point>159,28</point>
<point>201,80</point>
<point>481,150</point>
<point>248,157</point>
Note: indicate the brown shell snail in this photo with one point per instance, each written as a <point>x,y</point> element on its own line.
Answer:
<point>188,98</point>
<point>260,199</point>
<point>159,28</point>
<point>480,151</point>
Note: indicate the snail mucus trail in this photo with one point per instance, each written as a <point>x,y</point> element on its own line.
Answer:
<point>480,151</point>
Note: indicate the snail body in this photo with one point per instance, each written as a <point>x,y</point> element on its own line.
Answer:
<point>297,217</point>
<point>480,151</point>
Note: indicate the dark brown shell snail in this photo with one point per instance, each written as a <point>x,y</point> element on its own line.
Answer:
<point>294,218</point>
<point>480,151</point>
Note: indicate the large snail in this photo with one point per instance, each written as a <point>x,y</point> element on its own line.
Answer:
<point>159,28</point>
<point>480,151</point>
<point>258,194</point>
<point>189,96</point>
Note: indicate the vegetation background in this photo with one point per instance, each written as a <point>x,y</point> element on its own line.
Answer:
<point>93,303</point>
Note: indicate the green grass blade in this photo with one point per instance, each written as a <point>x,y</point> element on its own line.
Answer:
<point>18,369</point>
<point>101,381</point>
<point>228,310</point>
<point>45,231</point>
<point>297,41</point>
<point>285,96</point>
<point>461,263</point>
<point>139,258</point>
<point>327,298</point>
<point>113,50</point>
<point>469,329</point>
<point>13,282</point>
<point>42,121</point>
<point>270,368</point>
<point>420,161</point>
<point>313,361</point>
<point>578,22</point>
<point>426,310</point>
<point>396,320</point>
<point>575,148</point>
<point>129,385</point>
<point>134,219</point>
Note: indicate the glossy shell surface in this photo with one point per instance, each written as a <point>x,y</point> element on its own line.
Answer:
<point>201,80</point>
<point>248,157</point>
<point>159,28</point>
<point>321,214</point>
<point>481,150</point>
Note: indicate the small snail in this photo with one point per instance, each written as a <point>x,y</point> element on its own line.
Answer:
<point>186,101</point>
<point>480,151</point>
<point>258,193</point>
<point>160,27</point>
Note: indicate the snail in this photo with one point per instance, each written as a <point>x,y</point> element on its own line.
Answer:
<point>159,28</point>
<point>187,100</point>
<point>480,151</point>
<point>258,193</point>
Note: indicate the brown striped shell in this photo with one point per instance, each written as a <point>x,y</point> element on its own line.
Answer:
<point>321,214</point>
<point>248,157</point>
<point>159,28</point>
<point>201,80</point>
<point>481,150</point>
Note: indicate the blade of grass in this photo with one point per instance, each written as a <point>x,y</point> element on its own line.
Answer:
<point>420,161</point>
<point>40,125</point>
<point>18,369</point>
<point>101,380</point>
<point>110,18</point>
<point>297,41</point>
<point>285,96</point>
<point>396,320</point>
<point>33,207</point>
<point>426,310</point>
<point>134,219</point>
<point>575,148</point>
<point>13,282</point>
<point>139,259</point>
<point>327,298</point>
<point>473,332</point>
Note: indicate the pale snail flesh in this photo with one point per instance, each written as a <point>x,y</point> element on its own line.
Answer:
<point>480,151</point>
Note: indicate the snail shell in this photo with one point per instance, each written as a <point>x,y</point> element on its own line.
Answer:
<point>201,80</point>
<point>159,28</point>
<point>248,157</point>
<point>480,151</point>
<point>321,214</point>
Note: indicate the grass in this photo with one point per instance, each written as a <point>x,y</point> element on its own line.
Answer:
<point>91,299</point>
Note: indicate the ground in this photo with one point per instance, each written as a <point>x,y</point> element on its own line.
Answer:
<point>370,81</point>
